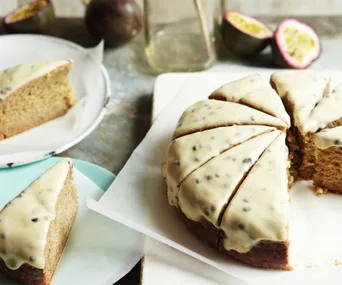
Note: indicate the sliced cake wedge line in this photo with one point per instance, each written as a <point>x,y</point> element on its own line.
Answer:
<point>209,114</point>
<point>254,92</point>
<point>198,205</point>
<point>255,222</point>
<point>188,153</point>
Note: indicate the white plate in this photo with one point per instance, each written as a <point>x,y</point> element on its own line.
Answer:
<point>56,136</point>
<point>98,251</point>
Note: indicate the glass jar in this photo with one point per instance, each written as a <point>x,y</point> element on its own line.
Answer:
<point>180,34</point>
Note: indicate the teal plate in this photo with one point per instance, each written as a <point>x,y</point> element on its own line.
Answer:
<point>27,173</point>
<point>107,249</point>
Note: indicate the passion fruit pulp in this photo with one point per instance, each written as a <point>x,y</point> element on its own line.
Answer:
<point>244,35</point>
<point>295,44</point>
<point>33,17</point>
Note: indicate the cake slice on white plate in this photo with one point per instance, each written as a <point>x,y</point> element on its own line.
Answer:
<point>35,226</point>
<point>32,94</point>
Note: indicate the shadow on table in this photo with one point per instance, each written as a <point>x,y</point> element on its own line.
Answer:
<point>131,278</point>
<point>143,118</point>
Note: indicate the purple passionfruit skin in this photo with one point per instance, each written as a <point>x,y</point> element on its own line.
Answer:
<point>240,42</point>
<point>115,21</point>
<point>282,57</point>
<point>37,22</point>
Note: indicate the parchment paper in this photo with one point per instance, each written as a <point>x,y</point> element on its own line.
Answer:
<point>137,198</point>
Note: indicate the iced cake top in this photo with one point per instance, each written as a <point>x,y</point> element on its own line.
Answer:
<point>15,77</point>
<point>25,221</point>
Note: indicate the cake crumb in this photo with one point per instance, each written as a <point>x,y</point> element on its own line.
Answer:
<point>337,262</point>
<point>320,191</point>
<point>308,265</point>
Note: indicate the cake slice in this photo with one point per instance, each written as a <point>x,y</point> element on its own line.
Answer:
<point>327,113</point>
<point>35,226</point>
<point>328,153</point>
<point>204,194</point>
<point>32,94</point>
<point>254,92</point>
<point>209,114</point>
<point>237,89</point>
<point>187,153</point>
<point>301,91</point>
<point>254,225</point>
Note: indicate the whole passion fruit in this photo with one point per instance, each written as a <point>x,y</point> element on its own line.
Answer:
<point>295,44</point>
<point>33,17</point>
<point>115,21</point>
<point>244,35</point>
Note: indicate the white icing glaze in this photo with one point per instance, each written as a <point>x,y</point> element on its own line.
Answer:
<point>328,110</point>
<point>25,221</point>
<point>259,209</point>
<point>303,88</point>
<point>255,92</point>
<point>205,192</point>
<point>208,114</point>
<point>328,138</point>
<point>14,77</point>
<point>267,100</point>
<point>237,89</point>
<point>187,153</point>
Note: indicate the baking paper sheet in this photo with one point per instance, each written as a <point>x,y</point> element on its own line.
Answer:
<point>86,80</point>
<point>98,251</point>
<point>137,198</point>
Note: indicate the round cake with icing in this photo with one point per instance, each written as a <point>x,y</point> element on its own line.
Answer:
<point>234,156</point>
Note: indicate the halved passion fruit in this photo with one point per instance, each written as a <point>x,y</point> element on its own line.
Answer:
<point>244,35</point>
<point>295,44</point>
<point>32,17</point>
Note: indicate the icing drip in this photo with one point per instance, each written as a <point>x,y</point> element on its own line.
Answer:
<point>187,153</point>
<point>303,89</point>
<point>259,210</point>
<point>255,92</point>
<point>14,77</point>
<point>328,110</point>
<point>208,114</point>
<point>206,191</point>
<point>328,138</point>
<point>25,221</point>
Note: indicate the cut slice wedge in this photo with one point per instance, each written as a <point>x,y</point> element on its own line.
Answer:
<point>36,224</point>
<point>254,92</point>
<point>258,213</point>
<point>237,89</point>
<point>327,111</point>
<point>187,153</point>
<point>328,137</point>
<point>204,194</point>
<point>209,114</point>
<point>301,90</point>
